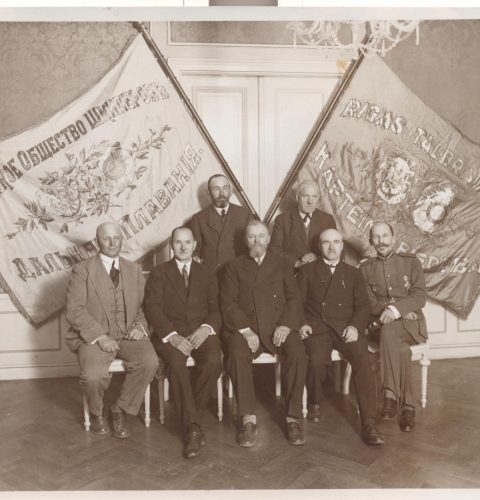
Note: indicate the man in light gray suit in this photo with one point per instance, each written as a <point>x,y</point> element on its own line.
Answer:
<point>104,311</point>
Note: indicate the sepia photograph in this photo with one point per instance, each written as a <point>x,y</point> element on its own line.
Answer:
<point>240,250</point>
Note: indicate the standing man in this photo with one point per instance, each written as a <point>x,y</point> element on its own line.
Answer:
<point>104,311</point>
<point>397,293</point>
<point>261,309</point>
<point>336,315</point>
<point>295,232</point>
<point>219,229</point>
<point>181,304</point>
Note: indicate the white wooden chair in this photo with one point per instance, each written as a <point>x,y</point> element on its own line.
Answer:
<point>116,366</point>
<point>266,358</point>
<point>420,352</point>
<point>163,390</point>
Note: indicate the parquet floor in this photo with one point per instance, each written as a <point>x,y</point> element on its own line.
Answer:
<point>44,446</point>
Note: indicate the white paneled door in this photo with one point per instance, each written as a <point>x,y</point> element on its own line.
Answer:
<point>259,123</point>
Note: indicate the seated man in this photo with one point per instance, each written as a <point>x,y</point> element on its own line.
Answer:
<point>336,315</point>
<point>104,311</point>
<point>181,304</point>
<point>261,309</point>
<point>397,293</point>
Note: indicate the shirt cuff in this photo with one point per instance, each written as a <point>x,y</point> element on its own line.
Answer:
<point>243,330</point>
<point>212,331</point>
<point>395,311</point>
<point>165,339</point>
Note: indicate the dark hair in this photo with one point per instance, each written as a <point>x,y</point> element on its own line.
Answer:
<point>213,177</point>
<point>381,222</point>
<point>178,229</point>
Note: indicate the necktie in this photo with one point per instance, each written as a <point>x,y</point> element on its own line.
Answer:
<point>185,275</point>
<point>223,214</point>
<point>306,218</point>
<point>114,274</point>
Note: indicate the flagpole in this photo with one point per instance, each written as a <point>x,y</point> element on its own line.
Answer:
<point>314,136</point>
<point>196,118</point>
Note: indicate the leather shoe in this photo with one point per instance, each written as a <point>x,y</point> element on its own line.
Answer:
<point>371,436</point>
<point>194,440</point>
<point>119,424</point>
<point>247,435</point>
<point>314,413</point>
<point>98,425</point>
<point>389,409</point>
<point>407,419</point>
<point>295,433</point>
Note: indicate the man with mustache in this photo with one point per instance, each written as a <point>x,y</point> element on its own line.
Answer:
<point>219,228</point>
<point>181,304</point>
<point>104,311</point>
<point>261,309</point>
<point>397,293</point>
<point>295,232</point>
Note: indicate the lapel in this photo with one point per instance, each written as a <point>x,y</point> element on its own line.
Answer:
<point>337,278</point>
<point>251,268</point>
<point>214,220</point>
<point>299,226</point>
<point>100,280</point>
<point>195,288</point>
<point>128,274</point>
<point>176,279</point>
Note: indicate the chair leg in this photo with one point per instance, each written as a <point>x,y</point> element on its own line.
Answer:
<point>304,402</point>
<point>161,400</point>
<point>230,388</point>
<point>165,389</point>
<point>220,398</point>
<point>424,362</point>
<point>86,414</point>
<point>278,379</point>
<point>346,379</point>
<point>147,406</point>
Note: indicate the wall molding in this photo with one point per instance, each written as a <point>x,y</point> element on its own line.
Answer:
<point>22,372</point>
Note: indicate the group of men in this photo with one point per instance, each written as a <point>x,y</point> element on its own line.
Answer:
<point>232,288</point>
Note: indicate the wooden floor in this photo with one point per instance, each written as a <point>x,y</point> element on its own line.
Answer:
<point>44,446</point>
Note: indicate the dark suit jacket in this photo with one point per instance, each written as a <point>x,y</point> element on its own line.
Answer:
<point>217,241</point>
<point>289,236</point>
<point>260,297</point>
<point>85,311</point>
<point>336,300</point>
<point>169,307</point>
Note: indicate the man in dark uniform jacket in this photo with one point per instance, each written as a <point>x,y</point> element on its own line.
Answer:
<point>397,293</point>
<point>336,315</point>
<point>181,304</point>
<point>219,229</point>
<point>261,309</point>
<point>295,232</point>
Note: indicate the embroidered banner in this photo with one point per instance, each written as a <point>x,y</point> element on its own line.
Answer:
<point>384,155</point>
<point>125,151</point>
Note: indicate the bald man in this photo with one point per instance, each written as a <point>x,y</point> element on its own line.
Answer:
<point>295,232</point>
<point>104,311</point>
<point>336,313</point>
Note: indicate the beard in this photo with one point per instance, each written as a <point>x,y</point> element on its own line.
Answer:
<point>257,251</point>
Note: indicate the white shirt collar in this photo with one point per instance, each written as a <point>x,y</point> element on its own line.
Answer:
<point>331,264</point>
<point>261,258</point>
<point>107,262</point>
<point>180,265</point>
<point>219,210</point>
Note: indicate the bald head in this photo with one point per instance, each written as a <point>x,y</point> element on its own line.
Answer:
<point>109,239</point>
<point>308,195</point>
<point>331,245</point>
